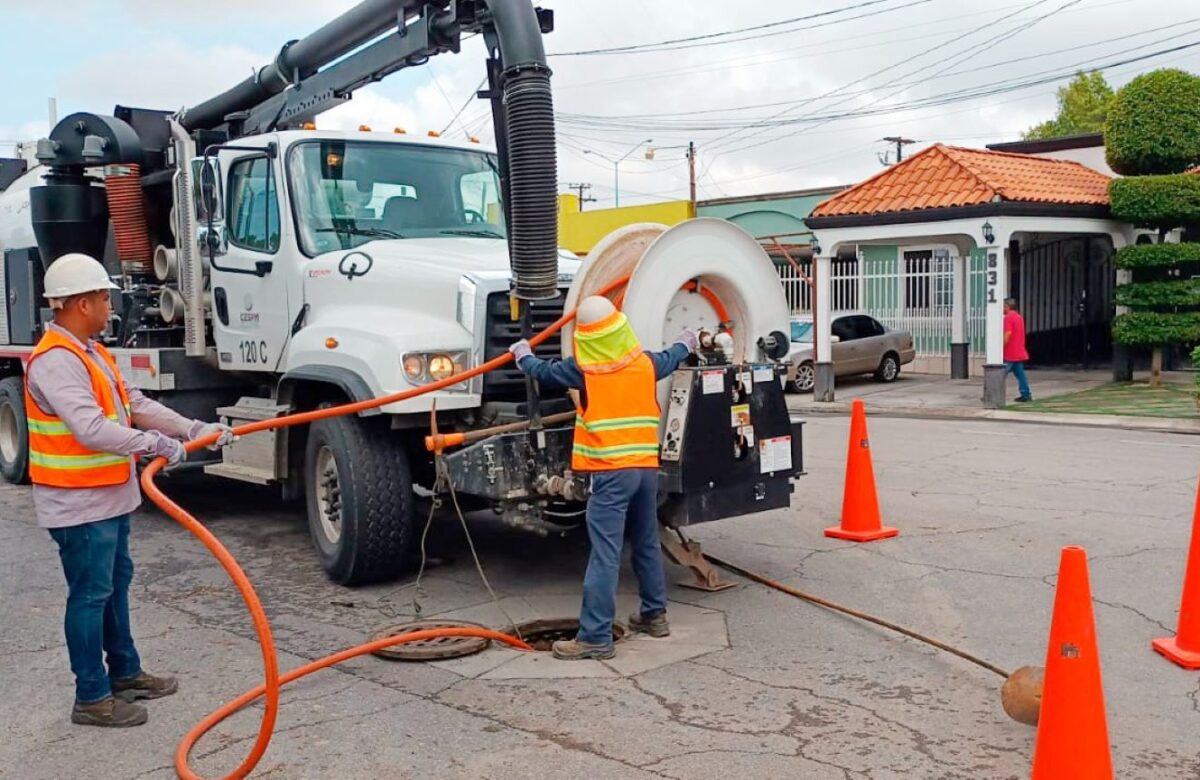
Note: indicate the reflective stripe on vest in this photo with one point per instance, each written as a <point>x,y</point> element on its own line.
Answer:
<point>619,427</point>
<point>56,457</point>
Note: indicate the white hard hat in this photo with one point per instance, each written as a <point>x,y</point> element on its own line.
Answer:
<point>75,274</point>
<point>593,309</point>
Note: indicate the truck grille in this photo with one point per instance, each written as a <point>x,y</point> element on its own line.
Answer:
<point>508,384</point>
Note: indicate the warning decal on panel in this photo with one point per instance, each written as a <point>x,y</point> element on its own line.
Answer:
<point>775,454</point>
<point>713,382</point>
<point>739,416</point>
<point>764,374</point>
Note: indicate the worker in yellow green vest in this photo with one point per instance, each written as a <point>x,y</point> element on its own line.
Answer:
<point>616,440</point>
<point>86,426</point>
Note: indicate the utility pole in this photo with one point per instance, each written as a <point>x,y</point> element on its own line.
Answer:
<point>582,187</point>
<point>691,158</point>
<point>900,143</point>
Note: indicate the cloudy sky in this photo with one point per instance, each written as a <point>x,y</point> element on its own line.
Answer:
<point>801,101</point>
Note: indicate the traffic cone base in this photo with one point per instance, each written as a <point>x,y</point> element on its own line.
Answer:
<point>884,532</point>
<point>1173,652</point>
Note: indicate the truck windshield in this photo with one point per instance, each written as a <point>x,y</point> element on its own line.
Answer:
<point>346,193</point>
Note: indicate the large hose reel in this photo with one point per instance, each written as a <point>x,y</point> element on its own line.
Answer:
<point>682,277</point>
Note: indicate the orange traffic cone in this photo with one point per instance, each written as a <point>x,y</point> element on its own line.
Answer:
<point>1184,647</point>
<point>1072,734</point>
<point>860,505</point>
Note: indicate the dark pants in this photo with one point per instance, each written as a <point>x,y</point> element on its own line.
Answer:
<point>623,503</point>
<point>95,559</point>
<point>1017,369</point>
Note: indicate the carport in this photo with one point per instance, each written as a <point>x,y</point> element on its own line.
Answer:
<point>936,243</point>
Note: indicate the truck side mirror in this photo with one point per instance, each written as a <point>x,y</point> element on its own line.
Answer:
<point>209,200</point>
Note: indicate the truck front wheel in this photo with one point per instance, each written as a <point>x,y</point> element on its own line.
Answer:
<point>358,487</point>
<point>14,435</point>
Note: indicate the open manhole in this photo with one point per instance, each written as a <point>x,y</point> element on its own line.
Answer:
<point>540,634</point>
<point>439,649</point>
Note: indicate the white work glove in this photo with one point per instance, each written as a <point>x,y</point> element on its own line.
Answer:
<point>201,429</point>
<point>689,339</point>
<point>521,350</point>
<point>169,448</point>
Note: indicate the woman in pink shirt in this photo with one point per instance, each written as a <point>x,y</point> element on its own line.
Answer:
<point>1015,353</point>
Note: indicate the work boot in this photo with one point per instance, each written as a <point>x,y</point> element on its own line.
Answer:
<point>144,686</point>
<point>110,712</point>
<point>574,650</point>
<point>656,626</point>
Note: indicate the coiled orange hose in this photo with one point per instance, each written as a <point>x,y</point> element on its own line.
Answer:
<point>262,627</point>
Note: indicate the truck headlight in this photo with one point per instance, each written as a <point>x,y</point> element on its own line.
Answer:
<point>440,367</point>
<point>421,368</point>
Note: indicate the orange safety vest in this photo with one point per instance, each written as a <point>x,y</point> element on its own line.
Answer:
<point>56,458</point>
<point>619,427</point>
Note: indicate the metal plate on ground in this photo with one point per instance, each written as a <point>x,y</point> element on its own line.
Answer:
<point>439,649</point>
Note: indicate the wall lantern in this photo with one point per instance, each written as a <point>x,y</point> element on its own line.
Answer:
<point>988,235</point>
<point>815,246</point>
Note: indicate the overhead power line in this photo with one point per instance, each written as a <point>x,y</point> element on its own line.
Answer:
<point>881,71</point>
<point>600,118</point>
<point>694,41</point>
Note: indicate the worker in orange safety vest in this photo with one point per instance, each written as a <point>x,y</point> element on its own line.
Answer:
<point>616,441</point>
<point>81,415</point>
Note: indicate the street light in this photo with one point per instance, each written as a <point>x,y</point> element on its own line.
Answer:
<point>616,163</point>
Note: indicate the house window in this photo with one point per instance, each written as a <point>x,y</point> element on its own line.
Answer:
<point>928,279</point>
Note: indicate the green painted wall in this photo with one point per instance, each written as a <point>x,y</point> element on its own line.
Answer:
<point>766,217</point>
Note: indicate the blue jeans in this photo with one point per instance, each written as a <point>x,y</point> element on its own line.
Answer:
<point>623,503</point>
<point>95,559</point>
<point>1017,369</point>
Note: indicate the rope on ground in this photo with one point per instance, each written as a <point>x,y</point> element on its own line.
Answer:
<point>854,613</point>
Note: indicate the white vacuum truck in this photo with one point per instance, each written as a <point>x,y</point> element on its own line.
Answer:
<point>269,267</point>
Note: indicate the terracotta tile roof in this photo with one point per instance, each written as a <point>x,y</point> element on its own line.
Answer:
<point>946,176</point>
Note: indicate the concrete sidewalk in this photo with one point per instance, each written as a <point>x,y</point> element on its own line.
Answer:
<point>935,396</point>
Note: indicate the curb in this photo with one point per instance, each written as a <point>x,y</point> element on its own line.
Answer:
<point>1118,422</point>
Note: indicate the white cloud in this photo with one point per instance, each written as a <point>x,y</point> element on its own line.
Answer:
<point>874,55</point>
<point>161,74</point>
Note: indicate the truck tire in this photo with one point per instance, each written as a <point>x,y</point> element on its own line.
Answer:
<point>358,488</point>
<point>14,434</point>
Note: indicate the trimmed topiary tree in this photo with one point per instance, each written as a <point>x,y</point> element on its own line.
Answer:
<point>1154,124</point>
<point>1153,137</point>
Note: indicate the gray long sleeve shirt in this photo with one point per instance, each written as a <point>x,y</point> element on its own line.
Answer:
<point>61,385</point>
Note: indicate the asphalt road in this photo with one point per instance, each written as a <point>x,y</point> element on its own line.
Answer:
<point>984,509</point>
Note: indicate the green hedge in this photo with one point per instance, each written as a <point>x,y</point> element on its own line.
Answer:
<point>1156,200</point>
<point>1157,255</point>
<point>1150,329</point>
<point>1154,124</point>
<point>1181,294</point>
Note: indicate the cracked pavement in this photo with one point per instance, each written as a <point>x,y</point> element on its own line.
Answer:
<point>983,508</point>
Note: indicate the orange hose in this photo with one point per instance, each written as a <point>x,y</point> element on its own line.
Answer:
<point>262,627</point>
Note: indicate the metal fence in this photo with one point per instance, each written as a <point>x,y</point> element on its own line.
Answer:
<point>915,293</point>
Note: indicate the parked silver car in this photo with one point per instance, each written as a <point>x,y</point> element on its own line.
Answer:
<point>861,345</point>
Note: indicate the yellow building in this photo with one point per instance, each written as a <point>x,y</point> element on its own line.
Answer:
<point>579,231</point>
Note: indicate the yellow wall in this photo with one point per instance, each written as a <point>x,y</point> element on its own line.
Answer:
<point>580,231</point>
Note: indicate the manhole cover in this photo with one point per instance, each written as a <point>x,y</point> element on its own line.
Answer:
<point>542,633</point>
<point>439,649</point>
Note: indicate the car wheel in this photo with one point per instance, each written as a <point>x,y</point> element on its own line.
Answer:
<point>889,368</point>
<point>806,377</point>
